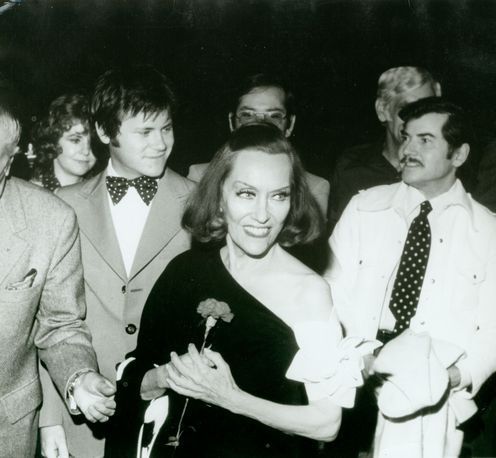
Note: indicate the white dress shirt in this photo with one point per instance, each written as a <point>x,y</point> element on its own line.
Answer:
<point>129,218</point>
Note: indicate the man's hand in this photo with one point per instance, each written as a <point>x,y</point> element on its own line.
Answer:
<point>94,396</point>
<point>53,442</point>
<point>454,376</point>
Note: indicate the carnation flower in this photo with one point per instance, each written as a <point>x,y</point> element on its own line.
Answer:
<point>211,310</point>
<point>215,309</point>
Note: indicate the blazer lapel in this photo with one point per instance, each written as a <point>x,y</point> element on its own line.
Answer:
<point>163,222</point>
<point>12,222</point>
<point>96,223</point>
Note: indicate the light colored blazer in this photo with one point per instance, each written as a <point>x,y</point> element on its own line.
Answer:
<point>114,300</point>
<point>41,305</point>
<point>319,187</point>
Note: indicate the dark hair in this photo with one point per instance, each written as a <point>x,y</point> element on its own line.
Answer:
<point>129,91</point>
<point>456,130</point>
<point>63,113</point>
<point>264,80</point>
<point>203,217</point>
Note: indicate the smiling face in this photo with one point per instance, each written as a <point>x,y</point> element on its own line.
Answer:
<point>256,200</point>
<point>142,146</point>
<point>427,161</point>
<point>76,158</point>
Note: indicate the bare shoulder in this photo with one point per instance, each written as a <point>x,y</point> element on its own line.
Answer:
<point>311,295</point>
<point>314,298</point>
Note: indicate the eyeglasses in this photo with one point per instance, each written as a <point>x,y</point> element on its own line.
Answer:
<point>248,116</point>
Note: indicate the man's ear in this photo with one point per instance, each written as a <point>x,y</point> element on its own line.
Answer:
<point>104,138</point>
<point>460,155</point>
<point>230,118</point>
<point>382,111</point>
<point>289,129</point>
<point>11,159</point>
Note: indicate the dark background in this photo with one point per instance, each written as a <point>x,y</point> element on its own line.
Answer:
<point>332,53</point>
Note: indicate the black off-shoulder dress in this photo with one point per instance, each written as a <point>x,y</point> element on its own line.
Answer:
<point>256,344</point>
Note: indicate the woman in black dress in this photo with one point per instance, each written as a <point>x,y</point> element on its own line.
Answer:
<point>269,379</point>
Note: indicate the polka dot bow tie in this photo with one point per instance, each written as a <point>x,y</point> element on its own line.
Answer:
<point>413,263</point>
<point>118,186</point>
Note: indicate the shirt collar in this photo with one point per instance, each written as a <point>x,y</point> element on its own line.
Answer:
<point>406,199</point>
<point>110,170</point>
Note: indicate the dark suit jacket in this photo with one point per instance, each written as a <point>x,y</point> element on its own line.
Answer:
<point>42,310</point>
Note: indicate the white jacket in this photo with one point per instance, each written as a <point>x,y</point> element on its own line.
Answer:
<point>458,299</point>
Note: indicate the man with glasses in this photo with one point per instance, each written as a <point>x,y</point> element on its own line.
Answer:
<point>261,98</point>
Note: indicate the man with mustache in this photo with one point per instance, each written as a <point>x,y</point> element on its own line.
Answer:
<point>376,163</point>
<point>416,261</point>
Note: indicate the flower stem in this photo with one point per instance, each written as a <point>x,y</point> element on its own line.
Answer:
<point>209,325</point>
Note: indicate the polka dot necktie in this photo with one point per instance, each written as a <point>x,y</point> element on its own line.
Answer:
<point>410,277</point>
<point>118,186</point>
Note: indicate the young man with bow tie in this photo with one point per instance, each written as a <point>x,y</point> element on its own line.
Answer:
<point>130,218</point>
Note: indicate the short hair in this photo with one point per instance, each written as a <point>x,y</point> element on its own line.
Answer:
<point>63,113</point>
<point>456,130</point>
<point>203,217</point>
<point>398,80</point>
<point>9,115</point>
<point>11,125</point>
<point>128,91</point>
<point>259,80</point>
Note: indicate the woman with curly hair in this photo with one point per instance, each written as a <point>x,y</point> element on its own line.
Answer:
<point>61,142</point>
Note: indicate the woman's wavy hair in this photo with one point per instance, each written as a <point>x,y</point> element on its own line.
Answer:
<point>64,112</point>
<point>203,217</point>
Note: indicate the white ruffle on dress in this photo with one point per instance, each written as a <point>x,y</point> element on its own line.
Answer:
<point>328,365</point>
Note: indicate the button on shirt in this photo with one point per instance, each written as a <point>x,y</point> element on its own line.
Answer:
<point>456,303</point>
<point>129,218</point>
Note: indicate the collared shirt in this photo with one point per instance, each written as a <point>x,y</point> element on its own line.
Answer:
<point>358,168</point>
<point>457,303</point>
<point>129,217</point>
<point>408,206</point>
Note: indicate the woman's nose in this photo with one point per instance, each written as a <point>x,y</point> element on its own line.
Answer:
<point>261,213</point>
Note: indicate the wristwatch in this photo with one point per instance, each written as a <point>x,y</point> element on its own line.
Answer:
<point>74,381</point>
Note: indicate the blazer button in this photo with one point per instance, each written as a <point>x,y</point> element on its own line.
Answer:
<point>123,289</point>
<point>131,328</point>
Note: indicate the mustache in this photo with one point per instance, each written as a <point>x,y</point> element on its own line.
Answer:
<point>406,160</point>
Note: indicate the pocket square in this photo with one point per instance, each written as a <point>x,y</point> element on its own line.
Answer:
<point>25,283</point>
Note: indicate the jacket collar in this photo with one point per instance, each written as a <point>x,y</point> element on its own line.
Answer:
<point>405,200</point>
<point>12,224</point>
<point>163,222</point>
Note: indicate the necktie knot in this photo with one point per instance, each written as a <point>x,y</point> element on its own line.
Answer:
<point>118,186</point>
<point>425,208</point>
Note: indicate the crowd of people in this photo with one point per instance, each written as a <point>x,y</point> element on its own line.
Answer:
<point>154,315</point>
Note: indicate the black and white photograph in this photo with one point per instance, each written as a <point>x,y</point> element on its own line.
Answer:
<point>247,228</point>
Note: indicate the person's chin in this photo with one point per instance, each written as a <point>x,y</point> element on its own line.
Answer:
<point>257,250</point>
<point>411,173</point>
<point>155,170</point>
